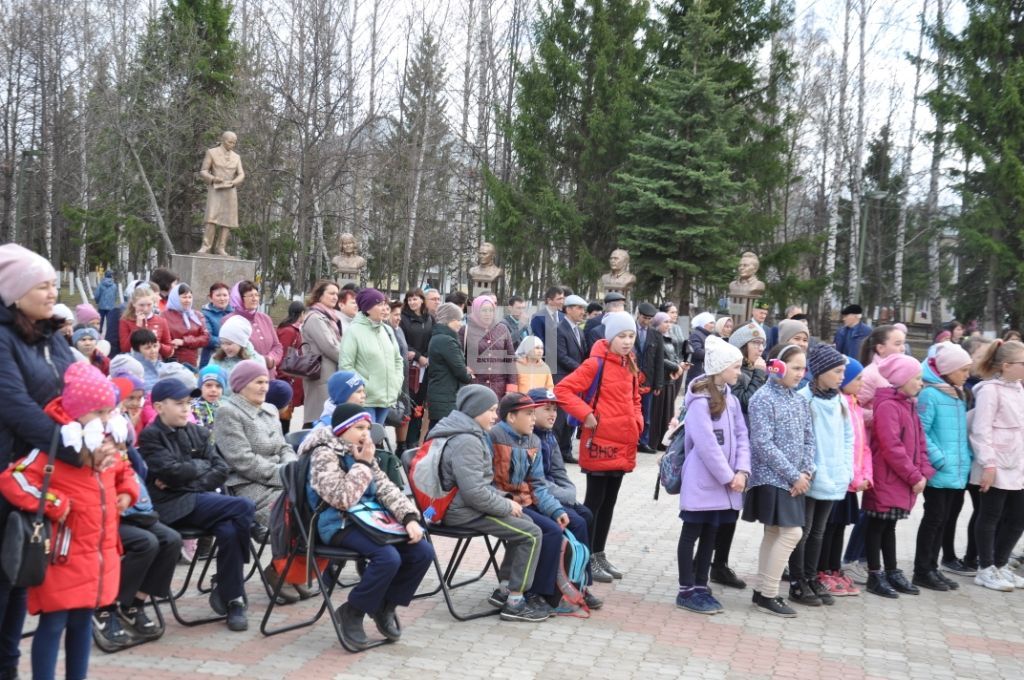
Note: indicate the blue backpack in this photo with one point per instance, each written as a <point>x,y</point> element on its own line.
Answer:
<point>572,576</point>
<point>590,396</point>
<point>670,466</point>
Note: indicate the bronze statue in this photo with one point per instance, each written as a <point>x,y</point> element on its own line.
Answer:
<point>222,172</point>
<point>348,263</point>
<point>619,279</point>
<point>747,285</point>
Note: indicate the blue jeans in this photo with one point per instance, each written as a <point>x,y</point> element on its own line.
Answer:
<point>76,624</point>
<point>13,604</point>
<point>645,410</point>
<point>855,547</point>
<point>393,572</point>
<point>378,413</point>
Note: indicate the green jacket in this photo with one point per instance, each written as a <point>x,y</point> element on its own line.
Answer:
<point>446,372</point>
<point>371,350</point>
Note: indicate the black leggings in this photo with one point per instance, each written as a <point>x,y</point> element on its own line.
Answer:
<point>999,526</point>
<point>880,537</point>
<point>602,492</point>
<point>723,544</point>
<point>803,561</point>
<point>931,532</point>
<point>831,558</point>
<point>949,535</point>
<point>695,571</point>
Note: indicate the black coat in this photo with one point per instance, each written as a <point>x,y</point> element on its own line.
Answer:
<point>697,338</point>
<point>570,353</point>
<point>186,461</point>
<point>651,358</point>
<point>31,375</point>
<point>417,330</point>
<point>593,330</point>
<point>446,372</point>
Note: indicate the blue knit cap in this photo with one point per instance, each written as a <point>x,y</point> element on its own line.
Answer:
<point>343,385</point>
<point>853,369</point>
<point>213,372</point>
<point>82,332</point>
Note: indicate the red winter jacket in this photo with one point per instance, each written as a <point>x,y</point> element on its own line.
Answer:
<point>899,452</point>
<point>611,446</point>
<point>155,323</point>
<point>194,338</point>
<point>88,573</point>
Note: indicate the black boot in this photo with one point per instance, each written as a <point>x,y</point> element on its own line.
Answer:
<point>931,581</point>
<point>351,621</point>
<point>725,576</point>
<point>879,585</point>
<point>898,581</point>
<point>801,593</point>
<point>387,622</point>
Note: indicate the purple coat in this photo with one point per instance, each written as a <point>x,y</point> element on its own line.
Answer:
<point>716,449</point>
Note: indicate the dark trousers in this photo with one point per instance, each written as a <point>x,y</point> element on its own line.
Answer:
<point>880,537</point>
<point>76,625</point>
<point>999,526</point>
<point>693,570</point>
<point>393,572</point>
<point>949,535</point>
<point>563,434</point>
<point>602,493</point>
<point>150,556</point>
<point>803,561</point>
<point>831,558</point>
<point>723,544</point>
<point>229,518</point>
<point>580,519</point>
<point>645,410</point>
<point>13,607</point>
<point>855,548</point>
<point>930,532</point>
<point>545,583</point>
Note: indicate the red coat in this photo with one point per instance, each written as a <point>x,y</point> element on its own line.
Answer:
<point>291,336</point>
<point>194,338</point>
<point>611,446</point>
<point>899,452</point>
<point>90,574</point>
<point>155,323</point>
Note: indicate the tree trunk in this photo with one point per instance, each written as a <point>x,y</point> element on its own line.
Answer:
<point>932,202</point>
<point>153,203</point>
<point>831,300</point>
<point>856,178</point>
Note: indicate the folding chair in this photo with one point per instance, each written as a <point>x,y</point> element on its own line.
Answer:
<point>186,534</point>
<point>295,438</point>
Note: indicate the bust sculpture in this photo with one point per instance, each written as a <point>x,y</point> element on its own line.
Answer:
<point>485,272</point>
<point>222,172</point>
<point>619,279</point>
<point>348,263</point>
<point>747,285</point>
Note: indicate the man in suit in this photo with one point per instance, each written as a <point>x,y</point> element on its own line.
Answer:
<point>650,357</point>
<point>571,350</point>
<point>544,323</point>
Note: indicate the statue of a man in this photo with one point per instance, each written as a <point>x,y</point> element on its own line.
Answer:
<point>485,270</point>
<point>747,284</point>
<point>619,279</point>
<point>348,263</point>
<point>222,171</point>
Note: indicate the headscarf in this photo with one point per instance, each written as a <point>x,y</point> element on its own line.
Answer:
<point>478,305</point>
<point>238,305</point>
<point>527,346</point>
<point>174,303</point>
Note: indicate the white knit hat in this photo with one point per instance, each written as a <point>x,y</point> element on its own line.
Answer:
<point>236,329</point>
<point>701,320</point>
<point>719,355</point>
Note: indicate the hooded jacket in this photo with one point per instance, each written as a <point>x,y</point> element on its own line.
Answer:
<point>863,469</point>
<point>833,446</point>
<point>611,446</point>
<point>106,293</point>
<point>716,449</point>
<point>697,338</point>
<point>370,349</point>
<point>900,452</point>
<point>559,484</point>
<point>997,432</point>
<point>468,463</point>
<point>213,317</point>
<point>446,372</point>
<point>519,470</point>
<point>944,419</point>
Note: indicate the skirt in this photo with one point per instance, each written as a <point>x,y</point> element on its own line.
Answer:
<point>891,513</point>
<point>663,410</point>
<point>773,506</point>
<point>845,511</point>
<point>712,517</point>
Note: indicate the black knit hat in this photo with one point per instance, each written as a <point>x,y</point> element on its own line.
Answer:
<point>851,309</point>
<point>823,358</point>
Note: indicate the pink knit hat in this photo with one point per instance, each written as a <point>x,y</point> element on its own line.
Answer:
<point>85,390</point>
<point>245,372</point>
<point>84,313</point>
<point>898,369</point>
<point>21,270</point>
<point>950,357</point>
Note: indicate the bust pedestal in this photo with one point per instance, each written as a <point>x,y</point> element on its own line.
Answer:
<point>741,308</point>
<point>202,271</point>
<point>483,287</point>
<point>343,276</point>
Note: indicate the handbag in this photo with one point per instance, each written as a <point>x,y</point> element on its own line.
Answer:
<point>26,547</point>
<point>299,364</point>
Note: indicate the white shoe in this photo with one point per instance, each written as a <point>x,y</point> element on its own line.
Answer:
<point>991,578</point>
<point>1010,577</point>
<point>857,571</point>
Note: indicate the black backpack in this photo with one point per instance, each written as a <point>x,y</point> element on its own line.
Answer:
<point>292,527</point>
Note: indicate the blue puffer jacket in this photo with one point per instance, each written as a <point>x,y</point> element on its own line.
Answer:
<point>214,317</point>
<point>944,418</point>
<point>106,293</point>
<point>833,446</point>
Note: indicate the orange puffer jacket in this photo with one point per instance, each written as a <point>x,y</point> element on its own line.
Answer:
<point>611,446</point>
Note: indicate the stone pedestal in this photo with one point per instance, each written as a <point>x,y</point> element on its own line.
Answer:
<point>343,276</point>
<point>741,309</point>
<point>484,287</point>
<point>202,271</point>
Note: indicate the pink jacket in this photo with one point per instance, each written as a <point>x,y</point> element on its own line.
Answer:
<point>900,453</point>
<point>996,428</point>
<point>862,464</point>
<point>871,382</point>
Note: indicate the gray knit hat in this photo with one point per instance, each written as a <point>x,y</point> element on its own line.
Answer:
<point>474,399</point>
<point>745,334</point>
<point>617,322</point>
<point>447,313</point>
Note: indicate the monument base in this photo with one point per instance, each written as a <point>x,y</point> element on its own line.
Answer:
<point>483,288</point>
<point>202,271</point>
<point>741,309</point>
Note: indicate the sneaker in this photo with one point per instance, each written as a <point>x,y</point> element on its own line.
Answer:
<point>1016,560</point>
<point>878,584</point>
<point>851,588</point>
<point>138,622</point>
<point>523,610</point>
<point>931,581</point>
<point>950,583</point>
<point>801,593</point>
<point>836,587</point>
<point>1011,577</point>
<point>592,601</point>
<point>539,603</point>
<point>991,578</point>
<point>188,550</point>
<point>598,573</point>
<point>959,567</point>
<point>819,589</point>
<point>498,598</point>
<point>775,606</point>
<point>387,623</point>
<point>857,571</point>
<point>350,622</point>
<point>237,620</point>
<point>110,635</point>
<point>727,577</point>
<point>899,581</point>
<point>698,601</point>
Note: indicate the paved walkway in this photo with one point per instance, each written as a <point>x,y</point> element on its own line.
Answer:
<point>971,633</point>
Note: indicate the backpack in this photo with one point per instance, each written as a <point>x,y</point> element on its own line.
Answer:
<point>590,396</point>
<point>572,576</point>
<point>670,465</point>
<point>291,524</point>
<point>425,480</point>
